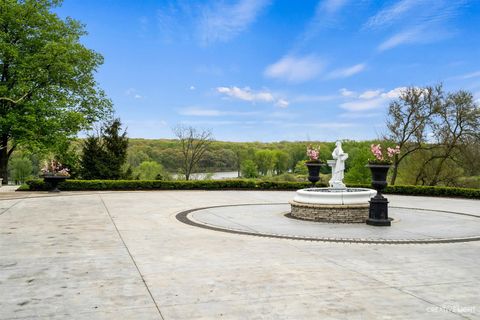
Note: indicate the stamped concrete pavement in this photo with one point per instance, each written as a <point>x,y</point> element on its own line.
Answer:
<point>123,255</point>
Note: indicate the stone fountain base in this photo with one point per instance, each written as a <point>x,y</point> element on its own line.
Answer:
<point>332,213</point>
<point>337,205</point>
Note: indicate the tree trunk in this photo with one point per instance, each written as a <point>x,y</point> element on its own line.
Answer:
<point>394,171</point>
<point>4,155</point>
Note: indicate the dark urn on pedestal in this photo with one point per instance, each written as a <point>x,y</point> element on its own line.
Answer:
<point>378,212</point>
<point>314,171</point>
<point>52,182</point>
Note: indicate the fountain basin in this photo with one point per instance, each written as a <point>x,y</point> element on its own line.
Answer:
<point>346,205</point>
<point>334,196</point>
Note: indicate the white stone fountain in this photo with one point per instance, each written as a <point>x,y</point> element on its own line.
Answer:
<point>336,203</point>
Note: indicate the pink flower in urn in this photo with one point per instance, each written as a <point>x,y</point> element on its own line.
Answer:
<point>54,168</point>
<point>313,153</point>
<point>393,151</point>
<point>380,156</point>
<point>377,151</point>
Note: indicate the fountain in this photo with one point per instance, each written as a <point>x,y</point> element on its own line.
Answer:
<point>337,203</point>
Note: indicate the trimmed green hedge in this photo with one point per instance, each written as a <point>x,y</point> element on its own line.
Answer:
<point>237,184</point>
<point>429,191</point>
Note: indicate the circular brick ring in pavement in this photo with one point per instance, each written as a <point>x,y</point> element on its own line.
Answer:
<point>410,225</point>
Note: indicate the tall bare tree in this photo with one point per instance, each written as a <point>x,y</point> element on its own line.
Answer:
<point>455,123</point>
<point>194,142</point>
<point>408,118</point>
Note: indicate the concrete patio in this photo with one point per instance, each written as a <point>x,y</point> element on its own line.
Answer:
<point>124,255</point>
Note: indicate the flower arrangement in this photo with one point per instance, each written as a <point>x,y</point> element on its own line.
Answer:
<point>313,154</point>
<point>380,156</point>
<point>54,168</point>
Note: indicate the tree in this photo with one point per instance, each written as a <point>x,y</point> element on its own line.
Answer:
<point>265,161</point>
<point>21,169</point>
<point>116,146</point>
<point>92,162</point>
<point>249,169</point>
<point>104,156</point>
<point>47,84</point>
<point>456,120</point>
<point>297,152</point>
<point>150,170</point>
<point>194,143</point>
<point>282,160</point>
<point>301,168</point>
<point>408,119</point>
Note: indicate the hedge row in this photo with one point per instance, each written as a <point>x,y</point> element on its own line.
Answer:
<point>237,184</point>
<point>430,191</point>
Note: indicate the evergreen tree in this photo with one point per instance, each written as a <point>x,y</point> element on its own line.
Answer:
<point>93,158</point>
<point>115,144</point>
<point>104,157</point>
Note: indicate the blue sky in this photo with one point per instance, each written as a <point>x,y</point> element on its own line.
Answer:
<point>271,70</point>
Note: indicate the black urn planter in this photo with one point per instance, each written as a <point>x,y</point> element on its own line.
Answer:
<point>313,171</point>
<point>53,181</point>
<point>378,212</point>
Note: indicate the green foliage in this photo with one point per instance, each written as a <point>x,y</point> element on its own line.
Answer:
<point>249,169</point>
<point>104,157</point>
<point>67,155</point>
<point>358,154</point>
<point>265,161</point>
<point>48,90</point>
<point>92,163</point>
<point>116,146</point>
<point>239,184</point>
<point>282,160</point>
<point>151,170</point>
<point>301,168</point>
<point>470,182</point>
<point>21,169</point>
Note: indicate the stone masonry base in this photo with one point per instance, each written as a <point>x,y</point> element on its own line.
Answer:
<point>335,213</point>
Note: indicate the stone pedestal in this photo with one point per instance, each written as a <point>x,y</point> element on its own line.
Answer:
<point>352,213</point>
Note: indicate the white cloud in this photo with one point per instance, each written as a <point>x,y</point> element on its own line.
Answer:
<point>372,99</point>
<point>414,35</point>
<point>360,115</point>
<point>325,16</point>
<point>132,92</point>
<point>313,98</point>
<point>295,69</point>
<point>246,94</point>
<point>222,21</point>
<point>332,6</point>
<point>192,88</point>
<point>471,75</point>
<point>416,21</point>
<point>250,95</point>
<point>391,14</point>
<point>415,13</point>
<point>282,103</point>
<point>369,94</point>
<point>202,112</point>
<point>346,93</point>
<point>347,72</point>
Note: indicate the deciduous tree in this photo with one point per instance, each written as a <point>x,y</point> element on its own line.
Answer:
<point>47,84</point>
<point>408,118</point>
<point>194,143</point>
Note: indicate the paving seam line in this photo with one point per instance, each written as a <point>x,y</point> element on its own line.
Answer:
<point>131,257</point>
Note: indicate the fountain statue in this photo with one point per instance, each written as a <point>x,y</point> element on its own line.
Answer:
<point>338,166</point>
<point>336,203</point>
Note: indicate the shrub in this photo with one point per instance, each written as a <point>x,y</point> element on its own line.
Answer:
<point>239,184</point>
<point>249,169</point>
